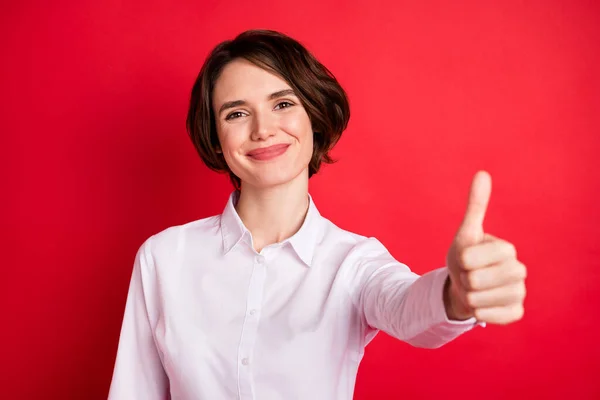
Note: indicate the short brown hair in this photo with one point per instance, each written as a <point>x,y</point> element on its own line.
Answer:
<point>320,93</point>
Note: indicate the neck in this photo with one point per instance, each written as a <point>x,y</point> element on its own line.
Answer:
<point>275,213</point>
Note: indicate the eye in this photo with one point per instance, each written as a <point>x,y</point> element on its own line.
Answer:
<point>283,104</point>
<point>234,115</point>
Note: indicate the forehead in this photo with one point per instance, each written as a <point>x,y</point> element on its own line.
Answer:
<point>242,80</point>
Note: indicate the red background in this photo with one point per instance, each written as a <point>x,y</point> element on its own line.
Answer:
<point>94,98</point>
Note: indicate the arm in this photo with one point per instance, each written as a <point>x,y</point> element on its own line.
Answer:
<point>484,279</point>
<point>403,304</point>
<point>138,372</point>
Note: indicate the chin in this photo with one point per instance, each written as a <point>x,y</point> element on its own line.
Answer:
<point>271,181</point>
<point>273,177</point>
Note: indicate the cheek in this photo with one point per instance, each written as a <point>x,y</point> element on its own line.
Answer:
<point>299,126</point>
<point>231,139</point>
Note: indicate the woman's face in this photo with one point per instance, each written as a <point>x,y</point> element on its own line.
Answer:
<point>265,133</point>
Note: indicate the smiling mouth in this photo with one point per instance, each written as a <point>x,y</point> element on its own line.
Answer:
<point>268,153</point>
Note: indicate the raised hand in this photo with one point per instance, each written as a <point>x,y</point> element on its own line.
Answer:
<point>485,278</point>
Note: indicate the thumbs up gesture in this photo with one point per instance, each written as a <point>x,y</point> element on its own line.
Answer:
<point>485,278</point>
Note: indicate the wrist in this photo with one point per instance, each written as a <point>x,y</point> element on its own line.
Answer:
<point>455,309</point>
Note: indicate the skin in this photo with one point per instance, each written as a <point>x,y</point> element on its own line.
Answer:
<point>486,280</point>
<point>255,108</point>
<point>274,196</point>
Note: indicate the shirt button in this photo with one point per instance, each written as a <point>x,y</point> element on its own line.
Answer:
<point>245,361</point>
<point>252,312</point>
<point>260,259</point>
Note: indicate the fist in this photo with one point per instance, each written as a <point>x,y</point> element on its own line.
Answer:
<point>486,280</point>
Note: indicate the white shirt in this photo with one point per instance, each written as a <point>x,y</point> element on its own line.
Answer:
<point>209,318</point>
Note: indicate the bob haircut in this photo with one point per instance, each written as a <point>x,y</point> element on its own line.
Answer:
<point>323,98</point>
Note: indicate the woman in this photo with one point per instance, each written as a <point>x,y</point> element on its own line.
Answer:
<point>270,300</point>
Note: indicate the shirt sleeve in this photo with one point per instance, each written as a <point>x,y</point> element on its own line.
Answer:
<point>138,372</point>
<point>399,302</point>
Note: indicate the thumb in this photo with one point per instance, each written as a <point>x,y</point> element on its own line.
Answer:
<point>471,229</point>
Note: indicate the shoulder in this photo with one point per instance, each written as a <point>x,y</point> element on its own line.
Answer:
<point>172,240</point>
<point>357,257</point>
<point>352,244</point>
<point>335,235</point>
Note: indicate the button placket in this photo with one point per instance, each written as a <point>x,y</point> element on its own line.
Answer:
<point>250,327</point>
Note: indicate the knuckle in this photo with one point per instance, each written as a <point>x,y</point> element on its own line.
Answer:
<point>523,270</point>
<point>471,299</point>
<point>463,257</point>
<point>511,250</point>
<point>520,271</point>
<point>515,294</point>
<point>518,312</point>
<point>521,291</point>
<point>478,314</point>
<point>472,280</point>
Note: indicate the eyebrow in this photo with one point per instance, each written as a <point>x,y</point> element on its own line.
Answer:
<point>272,96</point>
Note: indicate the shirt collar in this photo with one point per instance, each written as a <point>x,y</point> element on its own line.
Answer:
<point>304,241</point>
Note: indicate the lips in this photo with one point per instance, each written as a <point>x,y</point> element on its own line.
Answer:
<point>268,152</point>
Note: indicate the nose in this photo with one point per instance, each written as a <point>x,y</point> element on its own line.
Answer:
<point>263,126</point>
